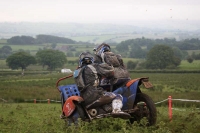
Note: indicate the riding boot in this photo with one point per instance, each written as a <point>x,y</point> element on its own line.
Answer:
<point>116,112</point>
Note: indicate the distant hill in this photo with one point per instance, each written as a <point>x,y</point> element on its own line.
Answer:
<point>153,30</point>
<point>66,29</point>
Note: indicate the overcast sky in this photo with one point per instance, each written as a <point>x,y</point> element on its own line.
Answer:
<point>98,11</point>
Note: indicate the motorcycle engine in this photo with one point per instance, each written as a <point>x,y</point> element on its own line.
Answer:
<point>92,112</point>
<point>107,107</point>
<point>104,109</point>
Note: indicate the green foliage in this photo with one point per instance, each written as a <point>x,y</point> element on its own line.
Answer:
<point>195,56</point>
<point>5,51</point>
<point>190,59</point>
<point>53,45</point>
<point>39,40</point>
<point>53,39</point>
<point>51,58</point>
<point>20,60</point>
<point>122,47</point>
<point>178,53</point>
<point>131,64</point>
<point>137,51</point>
<point>179,47</point>
<point>41,85</point>
<point>43,117</point>
<point>161,56</point>
<point>21,40</point>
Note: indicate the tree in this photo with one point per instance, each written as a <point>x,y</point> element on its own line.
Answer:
<point>20,60</point>
<point>137,51</point>
<point>5,51</point>
<point>123,46</point>
<point>161,56</point>
<point>190,59</point>
<point>53,45</point>
<point>53,39</point>
<point>131,64</point>
<point>178,53</point>
<point>51,58</point>
<point>21,40</point>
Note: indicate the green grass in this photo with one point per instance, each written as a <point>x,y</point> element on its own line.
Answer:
<point>94,39</point>
<point>195,65</point>
<point>3,65</point>
<point>191,51</point>
<point>118,37</point>
<point>34,118</point>
<point>42,86</point>
<point>24,47</point>
<point>3,41</point>
<point>18,116</point>
<point>43,118</point>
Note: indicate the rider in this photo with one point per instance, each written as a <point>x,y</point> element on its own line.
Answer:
<point>103,54</point>
<point>87,79</point>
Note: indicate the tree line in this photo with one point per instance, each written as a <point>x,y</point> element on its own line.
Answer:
<point>139,47</point>
<point>165,54</point>
<point>52,59</point>
<point>40,39</point>
<point>187,44</point>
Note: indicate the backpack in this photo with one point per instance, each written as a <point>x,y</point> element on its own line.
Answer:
<point>110,58</point>
<point>120,75</point>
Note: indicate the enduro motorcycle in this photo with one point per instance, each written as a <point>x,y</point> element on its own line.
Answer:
<point>136,103</point>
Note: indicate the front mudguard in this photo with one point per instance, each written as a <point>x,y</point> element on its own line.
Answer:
<point>69,105</point>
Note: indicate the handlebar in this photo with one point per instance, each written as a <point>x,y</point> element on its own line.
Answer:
<point>62,79</point>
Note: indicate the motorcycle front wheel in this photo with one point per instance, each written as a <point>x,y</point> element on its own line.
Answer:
<point>146,108</point>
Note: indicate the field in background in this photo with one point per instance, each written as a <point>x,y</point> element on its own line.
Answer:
<point>195,65</point>
<point>3,41</point>
<point>41,86</point>
<point>98,39</point>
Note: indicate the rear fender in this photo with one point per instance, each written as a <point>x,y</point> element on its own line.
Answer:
<point>145,81</point>
<point>69,105</point>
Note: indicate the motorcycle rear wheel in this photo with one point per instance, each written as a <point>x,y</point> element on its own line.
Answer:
<point>146,108</point>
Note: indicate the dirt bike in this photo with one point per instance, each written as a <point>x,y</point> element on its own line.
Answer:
<point>136,103</point>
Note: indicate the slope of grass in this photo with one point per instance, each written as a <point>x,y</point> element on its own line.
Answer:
<point>185,65</point>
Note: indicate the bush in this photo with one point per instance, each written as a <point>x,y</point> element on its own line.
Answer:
<point>190,59</point>
<point>131,64</point>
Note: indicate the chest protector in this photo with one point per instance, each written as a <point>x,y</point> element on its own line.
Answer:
<point>78,76</point>
<point>110,58</point>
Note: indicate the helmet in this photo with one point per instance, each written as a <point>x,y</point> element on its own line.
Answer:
<point>85,58</point>
<point>102,48</point>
